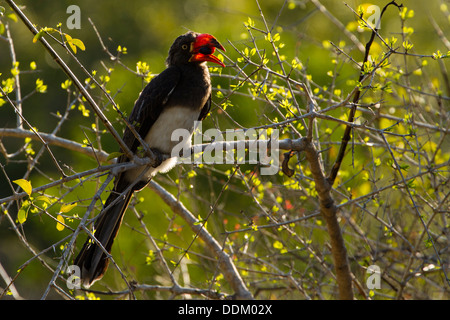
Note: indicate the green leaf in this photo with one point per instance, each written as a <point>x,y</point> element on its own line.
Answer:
<point>40,86</point>
<point>25,185</point>
<point>66,84</point>
<point>407,45</point>
<point>60,223</point>
<point>13,17</point>
<point>22,215</point>
<point>199,222</point>
<point>278,245</point>
<point>249,23</point>
<point>74,43</point>
<point>66,207</point>
<point>79,44</point>
<point>69,42</point>
<point>43,198</point>
<point>38,35</point>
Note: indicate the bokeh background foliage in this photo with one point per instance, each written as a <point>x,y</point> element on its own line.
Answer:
<point>317,43</point>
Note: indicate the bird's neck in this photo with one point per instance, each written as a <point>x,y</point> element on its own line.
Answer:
<point>197,72</point>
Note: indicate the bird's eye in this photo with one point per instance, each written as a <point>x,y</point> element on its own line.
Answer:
<point>184,46</point>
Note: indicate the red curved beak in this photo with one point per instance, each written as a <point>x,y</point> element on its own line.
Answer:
<point>203,48</point>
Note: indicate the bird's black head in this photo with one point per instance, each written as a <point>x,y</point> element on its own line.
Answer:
<point>193,47</point>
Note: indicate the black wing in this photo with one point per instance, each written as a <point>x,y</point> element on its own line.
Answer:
<point>149,105</point>
<point>205,110</point>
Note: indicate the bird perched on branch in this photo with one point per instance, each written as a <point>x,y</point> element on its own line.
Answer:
<point>175,99</point>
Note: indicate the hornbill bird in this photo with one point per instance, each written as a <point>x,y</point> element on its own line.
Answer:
<point>175,99</point>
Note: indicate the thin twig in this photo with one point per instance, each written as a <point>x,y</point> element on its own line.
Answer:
<point>225,263</point>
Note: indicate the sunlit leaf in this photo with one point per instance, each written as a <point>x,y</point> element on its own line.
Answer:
<point>66,207</point>
<point>74,43</point>
<point>25,185</point>
<point>60,223</point>
<point>13,17</point>
<point>278,245</point>
<point>38,35</point>
<point>22,215</point>
<point>43,198</point>
<point>78,43</point>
